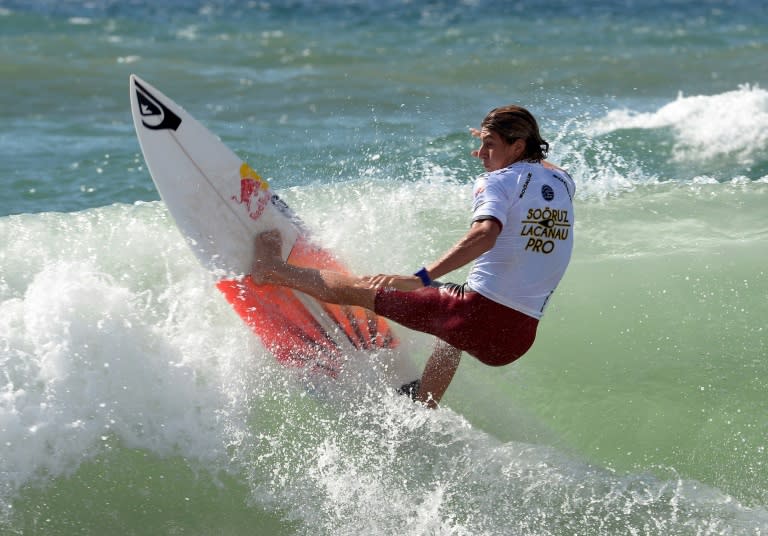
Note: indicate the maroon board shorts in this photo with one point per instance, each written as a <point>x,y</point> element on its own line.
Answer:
<point>491,332</point>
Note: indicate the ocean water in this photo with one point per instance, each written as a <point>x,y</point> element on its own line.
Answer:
<point>134,401</point>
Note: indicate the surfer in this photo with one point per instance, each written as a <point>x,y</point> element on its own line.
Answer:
<point>520,241</point>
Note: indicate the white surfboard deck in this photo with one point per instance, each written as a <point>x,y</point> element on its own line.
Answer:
<point>220,204</point>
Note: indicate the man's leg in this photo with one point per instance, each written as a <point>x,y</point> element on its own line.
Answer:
<point>438,373</point>
<point>326,286</point>
<point>333,287</point>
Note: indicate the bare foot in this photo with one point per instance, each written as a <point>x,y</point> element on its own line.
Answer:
<point>267,256</point>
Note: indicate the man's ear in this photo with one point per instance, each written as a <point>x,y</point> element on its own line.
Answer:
<point>518,148</point>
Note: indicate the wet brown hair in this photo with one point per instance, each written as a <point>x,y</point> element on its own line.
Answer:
<point>513,122</point>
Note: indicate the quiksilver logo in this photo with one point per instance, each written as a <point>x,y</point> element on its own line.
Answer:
<point>154,114</point>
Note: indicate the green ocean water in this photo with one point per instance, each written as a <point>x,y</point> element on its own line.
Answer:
<point>134,401</point>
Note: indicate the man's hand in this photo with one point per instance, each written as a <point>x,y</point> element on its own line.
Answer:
<point>475,133</point>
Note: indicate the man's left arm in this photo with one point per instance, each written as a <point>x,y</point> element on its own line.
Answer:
<point>480,238</point>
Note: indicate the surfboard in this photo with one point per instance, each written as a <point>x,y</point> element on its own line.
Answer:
<point>220,203</point>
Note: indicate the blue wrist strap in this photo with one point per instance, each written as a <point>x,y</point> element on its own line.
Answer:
<point>424,276</point>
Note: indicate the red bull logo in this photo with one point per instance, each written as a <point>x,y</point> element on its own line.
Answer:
<point>254,192</point>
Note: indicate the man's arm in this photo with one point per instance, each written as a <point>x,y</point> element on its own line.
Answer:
<point>480,238</point>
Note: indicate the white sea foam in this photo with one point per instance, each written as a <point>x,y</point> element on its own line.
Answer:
<point>99,349</point>
<point>80,21</point>
<point>112,336</point>
<point>422,219</point>
<point>734,123</point>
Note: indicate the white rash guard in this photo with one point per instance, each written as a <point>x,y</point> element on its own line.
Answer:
<point>534,205</point>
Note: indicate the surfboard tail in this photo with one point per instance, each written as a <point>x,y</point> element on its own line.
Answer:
<point>284,325</point>
<point>364,329</point>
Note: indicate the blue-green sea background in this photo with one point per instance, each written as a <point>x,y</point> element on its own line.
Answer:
<point>134,401</point>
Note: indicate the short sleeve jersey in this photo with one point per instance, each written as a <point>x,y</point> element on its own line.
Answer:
<point>534,205</point>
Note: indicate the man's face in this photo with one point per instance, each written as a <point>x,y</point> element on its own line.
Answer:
<point>496,153</point>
